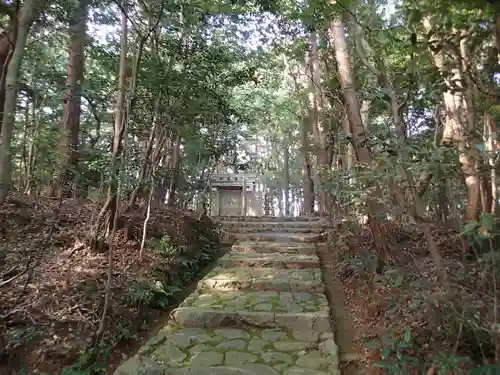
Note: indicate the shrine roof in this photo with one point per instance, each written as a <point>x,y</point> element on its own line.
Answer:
<point>233,179</point>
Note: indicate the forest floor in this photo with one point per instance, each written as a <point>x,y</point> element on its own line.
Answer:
<point>52,286</point>
<point>405,322</point>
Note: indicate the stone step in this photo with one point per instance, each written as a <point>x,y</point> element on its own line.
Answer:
<point>273,224</point>
<point>267,260</point>
<point>232,351</point>
<point>275,247</point>
<point>262,301</point>
<point>268,218</point>
<point>245,229</point>
<point>215,318</point>
<point>259,279</point>
<point>278,237</point>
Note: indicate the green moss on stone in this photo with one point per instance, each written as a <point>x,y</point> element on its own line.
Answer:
<point>274,301</point>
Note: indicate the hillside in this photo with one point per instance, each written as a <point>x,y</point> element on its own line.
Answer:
<point>53,286</point>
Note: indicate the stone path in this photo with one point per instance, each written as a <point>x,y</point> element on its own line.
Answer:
<point>261,311</point>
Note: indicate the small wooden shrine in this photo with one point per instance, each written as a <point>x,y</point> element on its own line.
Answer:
<point>235,194</point>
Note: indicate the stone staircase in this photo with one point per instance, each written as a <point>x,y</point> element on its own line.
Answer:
<point>260,311</point>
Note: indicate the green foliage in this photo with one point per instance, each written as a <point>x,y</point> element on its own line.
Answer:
<point>398,355</point>
<point>401,355</point>
<point>123,331</point>
<point>148,293</point>
<point>84,364</point>
<point>141,293</point>
<point>166,250</point>
<point>162,289</point>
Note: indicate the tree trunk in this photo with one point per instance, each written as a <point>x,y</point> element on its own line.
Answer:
<point>491,144</point>
<point>361,151</point>
<point>319,132</point>
<point>307,207</point>
<point>174,170</point>
<point>286,187</point>
<point>29,14</point>
<point>307,181</point>
<point>23,181</point>
<point>417,210</point>
<point>459,123</point>
<point>267,202</point>
<point>70,124</point>
<point>162,185</point>
<point>35,126</point>
<point>109,207</point>
<point>279,198</point>
<point>455,126</point>
<point>7,45</point>
<point>147,161</point>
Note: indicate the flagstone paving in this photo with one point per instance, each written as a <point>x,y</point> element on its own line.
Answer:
<point>256,313</point>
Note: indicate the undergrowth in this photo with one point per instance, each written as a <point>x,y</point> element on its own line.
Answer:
<point>401,355</point>
<point>175,267</point>
<point>159,289</point>
<point>462,332</point>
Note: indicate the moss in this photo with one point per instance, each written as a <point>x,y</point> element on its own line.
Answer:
<point>253,332</point>
<point>275,301</point>
<point>175,328</point>
<point>250,302</point>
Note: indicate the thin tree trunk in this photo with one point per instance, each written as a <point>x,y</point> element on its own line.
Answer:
<point>109,207</point>
<point>267,202</point>
<point>286,168</point>
<point>174,170</point>
<point>145,165</point>
<point>146,220</point>
<point>24,146</point>
<point>491,143</point>
<point>307,181</point>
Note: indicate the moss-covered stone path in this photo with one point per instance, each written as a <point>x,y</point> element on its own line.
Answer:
<point>261,311</point>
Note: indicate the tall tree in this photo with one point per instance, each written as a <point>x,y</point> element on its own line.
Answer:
<point>29,13</point>
<point>318,125</point>
<point>359,140</point>
<point>8,40</point>
<point>72,98</point>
